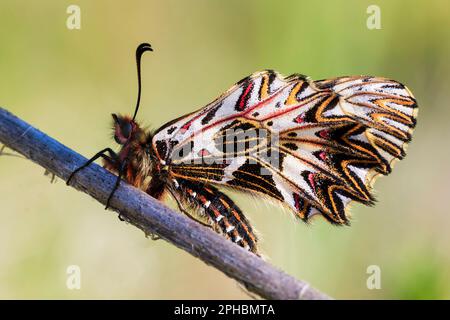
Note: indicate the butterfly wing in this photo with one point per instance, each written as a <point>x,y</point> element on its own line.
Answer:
<point>313,146</point>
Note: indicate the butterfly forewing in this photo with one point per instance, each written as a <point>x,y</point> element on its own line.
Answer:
<point>313,146</point>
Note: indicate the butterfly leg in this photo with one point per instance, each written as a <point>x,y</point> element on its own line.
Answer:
<point>113,158</point>
<point>113,161</point>
<point>122,169</point>
<point>220,211</point>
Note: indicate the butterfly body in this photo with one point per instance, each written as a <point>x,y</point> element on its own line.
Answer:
<point>152,174</point>
<point>313,146</point>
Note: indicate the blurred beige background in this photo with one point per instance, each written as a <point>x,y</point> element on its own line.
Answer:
<point>68,82</point>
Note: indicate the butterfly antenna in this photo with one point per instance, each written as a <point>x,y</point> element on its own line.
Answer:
<point>139,52</point>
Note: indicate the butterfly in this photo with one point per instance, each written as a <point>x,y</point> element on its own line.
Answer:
<point>312,146</point>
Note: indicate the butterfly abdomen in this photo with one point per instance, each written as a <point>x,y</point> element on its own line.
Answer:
<point>220,212</point>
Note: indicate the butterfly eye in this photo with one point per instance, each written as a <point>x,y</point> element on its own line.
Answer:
<point>126,130</point>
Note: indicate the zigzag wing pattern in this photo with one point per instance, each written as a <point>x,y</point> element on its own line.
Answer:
<point>313,146</point>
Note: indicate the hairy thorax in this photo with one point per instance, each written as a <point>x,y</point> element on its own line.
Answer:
<point>137,156</point>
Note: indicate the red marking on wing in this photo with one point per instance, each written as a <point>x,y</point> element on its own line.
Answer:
<point>243,97</point>
<point>203,153</point>
<point>300,118</point>
<point>297,201</point>
<point>325,134</point>
<point>311,181</point>
<point>186,127</point>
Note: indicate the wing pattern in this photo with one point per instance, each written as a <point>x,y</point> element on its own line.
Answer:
<point>315,146</point>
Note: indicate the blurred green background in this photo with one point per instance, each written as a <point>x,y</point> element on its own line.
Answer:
<point>68,82</point>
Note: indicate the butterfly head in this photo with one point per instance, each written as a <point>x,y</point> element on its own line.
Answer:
<point>124,128</point>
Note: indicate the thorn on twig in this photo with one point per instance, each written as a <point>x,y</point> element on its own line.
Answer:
<point>3,153</point>
<point>152,236</point>
<point>52,176</point>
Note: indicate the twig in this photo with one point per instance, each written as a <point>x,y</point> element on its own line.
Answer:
<point>152,216</point>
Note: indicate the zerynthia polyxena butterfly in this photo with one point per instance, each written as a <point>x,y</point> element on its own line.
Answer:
<point>313,146</point>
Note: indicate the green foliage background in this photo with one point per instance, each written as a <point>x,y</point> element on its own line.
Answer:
<point>68,82</point>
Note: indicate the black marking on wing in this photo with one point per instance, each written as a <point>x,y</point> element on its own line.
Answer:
<point>249,176</point>
<point>211,113</point>
<point>161,146</point>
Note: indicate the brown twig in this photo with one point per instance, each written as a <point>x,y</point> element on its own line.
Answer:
<point>152,216</point>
